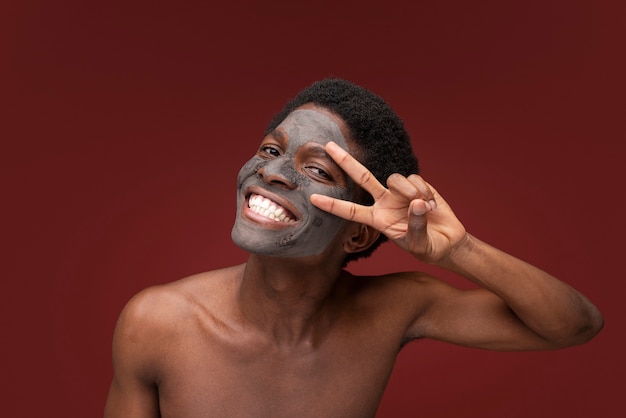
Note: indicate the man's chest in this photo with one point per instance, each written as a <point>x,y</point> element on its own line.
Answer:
<point>335,380</point>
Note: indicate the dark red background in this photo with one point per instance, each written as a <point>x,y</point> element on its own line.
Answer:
<point>125,123</point>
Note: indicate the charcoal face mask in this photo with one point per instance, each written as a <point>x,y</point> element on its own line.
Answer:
<point>296,228</point>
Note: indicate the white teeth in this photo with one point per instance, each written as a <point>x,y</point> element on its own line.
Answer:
<point>267,208</point>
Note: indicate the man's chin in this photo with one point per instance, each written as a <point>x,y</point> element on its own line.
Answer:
<point>301,240</point>
<point>264,242</point>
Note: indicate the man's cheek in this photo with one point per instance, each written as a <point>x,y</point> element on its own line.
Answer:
<point>250,168</point>
<point>320,219</point>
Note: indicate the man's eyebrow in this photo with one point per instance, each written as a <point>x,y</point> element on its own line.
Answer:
<point>320,151</point>
<point>276,134</point>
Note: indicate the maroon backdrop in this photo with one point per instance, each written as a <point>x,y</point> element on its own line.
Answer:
<point>125,123</point>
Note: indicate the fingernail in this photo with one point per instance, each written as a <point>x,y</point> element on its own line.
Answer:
<point>416,211</point>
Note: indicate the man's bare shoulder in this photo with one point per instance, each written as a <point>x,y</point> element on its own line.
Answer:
<point>401,294</point>
<point>165,307</point>
<point>397,285</point>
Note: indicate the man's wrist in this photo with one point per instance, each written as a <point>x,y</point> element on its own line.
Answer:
<point>459,254</point>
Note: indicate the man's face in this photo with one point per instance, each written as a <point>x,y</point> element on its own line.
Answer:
<point>274,214</point>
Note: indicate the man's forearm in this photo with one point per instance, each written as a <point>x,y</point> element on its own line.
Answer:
<point>549,307</point>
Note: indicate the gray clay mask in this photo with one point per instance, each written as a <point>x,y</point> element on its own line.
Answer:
<point>278,182</point>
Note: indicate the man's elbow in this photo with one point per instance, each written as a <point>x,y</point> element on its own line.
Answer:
<point>593,326</point>
<point>581,331</point>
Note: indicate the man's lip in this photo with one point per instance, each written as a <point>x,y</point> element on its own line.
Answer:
<point>273,197</point>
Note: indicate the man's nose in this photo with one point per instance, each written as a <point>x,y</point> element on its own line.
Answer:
<point>279,171</point>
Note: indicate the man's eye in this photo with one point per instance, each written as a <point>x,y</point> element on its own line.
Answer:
<point>266,149</point>
<point>319,172</point>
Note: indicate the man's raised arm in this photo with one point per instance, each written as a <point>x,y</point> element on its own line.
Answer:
<point>519,307</point>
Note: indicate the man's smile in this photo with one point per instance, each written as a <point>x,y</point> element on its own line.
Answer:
<point>270,209</point>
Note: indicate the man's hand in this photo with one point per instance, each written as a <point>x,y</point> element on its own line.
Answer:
<point>410,212</point>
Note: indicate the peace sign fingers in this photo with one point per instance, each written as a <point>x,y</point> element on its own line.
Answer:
<point>362,177</point>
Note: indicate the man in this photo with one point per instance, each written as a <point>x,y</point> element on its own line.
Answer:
<point>290,333</point>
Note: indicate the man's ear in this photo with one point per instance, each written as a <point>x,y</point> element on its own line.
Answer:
<point>361,239</point>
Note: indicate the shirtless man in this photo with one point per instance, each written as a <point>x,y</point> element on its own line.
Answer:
<point>290,333</point>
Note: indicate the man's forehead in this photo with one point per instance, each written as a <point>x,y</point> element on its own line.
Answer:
<point>326,117</point>
<point>310,125</point>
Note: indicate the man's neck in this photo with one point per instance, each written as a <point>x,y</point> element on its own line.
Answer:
<point>290,300</point>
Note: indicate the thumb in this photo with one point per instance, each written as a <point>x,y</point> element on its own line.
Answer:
<point>416,234</point>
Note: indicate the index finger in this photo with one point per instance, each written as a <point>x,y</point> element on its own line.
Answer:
<point>357,171</point>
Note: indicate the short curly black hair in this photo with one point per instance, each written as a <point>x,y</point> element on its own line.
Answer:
<point>374,126</point>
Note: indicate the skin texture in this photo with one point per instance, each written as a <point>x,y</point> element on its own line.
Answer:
<point>285,335</point>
